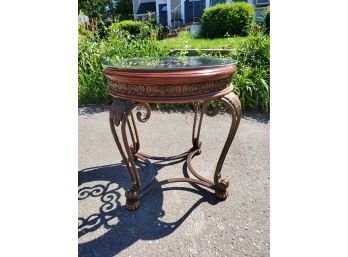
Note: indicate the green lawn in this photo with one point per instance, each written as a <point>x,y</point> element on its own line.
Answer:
<point>184,40</point>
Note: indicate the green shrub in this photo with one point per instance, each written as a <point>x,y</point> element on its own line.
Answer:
<point>124,46</point>
<point>158,31</point>
<point>267,17</point>
<point>91,82</point>
<point>236,19</point>
<point>134,28</point>
<point>92,85</point>
<point>162,32</point>
<point>101,30</point>
<point>83,31</point>
<point>251,81</point>
<point>123,10</point>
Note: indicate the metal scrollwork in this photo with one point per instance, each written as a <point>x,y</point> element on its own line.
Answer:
<point>121,112</point>
<point>146,108</point>
<point>210,86</point>
<point>231,104</point>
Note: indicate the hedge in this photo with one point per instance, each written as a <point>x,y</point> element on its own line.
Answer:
<point>234,19</point>
<point>133,27</point>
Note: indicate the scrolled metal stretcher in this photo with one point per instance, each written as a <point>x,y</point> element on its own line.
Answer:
<point>134,83</point>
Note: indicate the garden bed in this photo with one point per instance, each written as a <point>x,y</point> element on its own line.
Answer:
<point>251,81</point>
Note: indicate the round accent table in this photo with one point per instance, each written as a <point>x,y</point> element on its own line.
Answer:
<point>134,83</point>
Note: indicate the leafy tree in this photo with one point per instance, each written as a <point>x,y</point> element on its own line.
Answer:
<point>124,10</point>
<point>96,8</point>
<point>101,9</point>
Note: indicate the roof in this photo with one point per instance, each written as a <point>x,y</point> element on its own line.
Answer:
<point>146,7</point>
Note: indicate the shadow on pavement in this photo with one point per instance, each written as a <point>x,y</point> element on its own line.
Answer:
<point>92,109</point>
<point>124,228</point>
<point>257,116</point>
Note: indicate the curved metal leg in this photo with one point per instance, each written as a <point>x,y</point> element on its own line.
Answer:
<point>120,111</point>
<point>232,104</point>
<point>121,114</point>
<point>195,134</point>
<point>202,109</point>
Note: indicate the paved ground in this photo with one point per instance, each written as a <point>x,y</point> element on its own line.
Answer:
<point>184,222</point>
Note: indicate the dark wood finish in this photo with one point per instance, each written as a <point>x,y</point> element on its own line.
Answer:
<point>175,86</point>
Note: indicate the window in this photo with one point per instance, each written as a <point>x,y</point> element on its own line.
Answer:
<point>262,1</point>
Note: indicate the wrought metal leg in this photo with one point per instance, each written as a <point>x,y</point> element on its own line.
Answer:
<point>195,134</point>
<point>120,112</point>
<point>232,104</point>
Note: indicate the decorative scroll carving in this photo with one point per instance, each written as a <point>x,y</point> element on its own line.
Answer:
<point>116,87</point>
<point>145,115</point>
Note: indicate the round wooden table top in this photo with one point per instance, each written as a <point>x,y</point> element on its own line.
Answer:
<point>169,79</point>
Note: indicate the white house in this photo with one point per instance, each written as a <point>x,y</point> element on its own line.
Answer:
<point>174,13</point>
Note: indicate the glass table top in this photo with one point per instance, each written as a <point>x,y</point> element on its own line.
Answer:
<point>167,63</point>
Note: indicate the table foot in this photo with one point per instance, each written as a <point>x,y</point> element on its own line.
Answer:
<point>221,189</point>
<point>132,199</point>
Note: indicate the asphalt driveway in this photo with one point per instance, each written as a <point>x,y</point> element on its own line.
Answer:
<point>179,220</point>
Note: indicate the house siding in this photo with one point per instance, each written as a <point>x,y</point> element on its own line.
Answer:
<point>136,4</point>
<point>175,3</point>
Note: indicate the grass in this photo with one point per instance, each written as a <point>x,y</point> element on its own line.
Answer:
<point>184,40</point>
